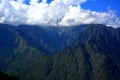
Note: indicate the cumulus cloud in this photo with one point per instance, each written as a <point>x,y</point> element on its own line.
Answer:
<point>55,13</point>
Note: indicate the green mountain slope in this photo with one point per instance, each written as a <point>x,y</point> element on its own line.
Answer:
<point>50,38</point>
<point>96,57</point>
<point>15,53</point>
<point>81,63</point>
<point>85,52</point>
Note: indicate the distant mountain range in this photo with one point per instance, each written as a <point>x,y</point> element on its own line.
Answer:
<point>83,52</point>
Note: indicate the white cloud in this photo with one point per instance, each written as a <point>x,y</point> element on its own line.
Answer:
<point>33,2</point>
<point>44,1</point>
<point>72,1</point>
<point>56,13</point>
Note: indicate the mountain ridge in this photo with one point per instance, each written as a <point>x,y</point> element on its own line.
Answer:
<point>85,52</point>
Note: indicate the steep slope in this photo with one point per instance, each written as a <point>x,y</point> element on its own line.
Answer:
<point>96,57</point>
<point>84,52</point>
<point>15,52</point>
<point>52,39</point>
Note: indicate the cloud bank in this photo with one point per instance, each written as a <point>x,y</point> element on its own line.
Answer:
<point>55,13</point>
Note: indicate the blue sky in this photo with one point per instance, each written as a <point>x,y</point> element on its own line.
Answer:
<point>98,5</point>
<point>103,5</point>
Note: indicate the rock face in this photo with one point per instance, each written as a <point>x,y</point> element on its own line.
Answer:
<point>85,52</point>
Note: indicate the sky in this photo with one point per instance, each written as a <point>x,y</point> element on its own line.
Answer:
<point>60,12</point>
<point>103,5</point>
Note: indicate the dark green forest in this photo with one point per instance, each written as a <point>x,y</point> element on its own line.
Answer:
<point>83,52</point>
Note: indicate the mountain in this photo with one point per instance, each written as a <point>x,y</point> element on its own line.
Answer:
<point>16,52</point>
<point>84,52</point>
<point>96,57</point>
<point>52,39</point>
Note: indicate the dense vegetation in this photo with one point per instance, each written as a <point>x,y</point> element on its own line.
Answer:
<point>85,52</point>
<point>4,76</point>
